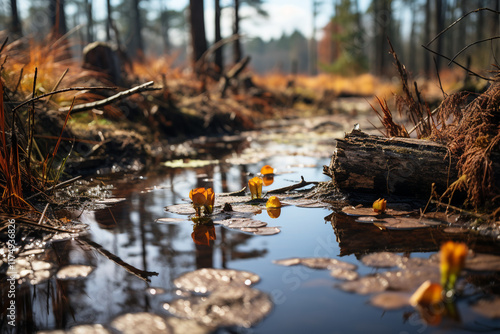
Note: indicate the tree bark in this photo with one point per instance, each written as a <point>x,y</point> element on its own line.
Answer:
<point>397,166</point>
<point>236,31</point>
<point>108,20</point>
<point>197,21</point>
<point>15,25</point>
<point>219,62</point>
<point>136,44</point>
<point>58,18</point>
<point>90,21</point>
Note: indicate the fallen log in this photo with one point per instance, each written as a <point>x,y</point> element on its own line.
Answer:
<point>396,166</point>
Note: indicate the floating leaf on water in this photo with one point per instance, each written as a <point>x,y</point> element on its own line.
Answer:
<point>403,223</point>
<point>190,163</point>
<point>208,279</point>
<point>243,223</point>
<point>180,326</point>
<point>226,306</point>
<point>255,209</point>
<point>288,262</point>
<point>483,262</point>
<point>143,322</point>
<point>109,200</point>
<point>344,274</point>
<point>409,280</point>
<point>489,308</point>
<point>420,264</point>
<point>181,209</point>
<point>89,329</point>
<point>369,219</point>
<point>266,230</point>
<point>169,220</point>
<point>365,285</point>
<point>306,203</point>
<point>326,263</point>
<point>361,211</point>
<point>74,271</point>
<point>390,300</point>
<point>381,260</point>
<point>455,230</point>
<point>317,263</point>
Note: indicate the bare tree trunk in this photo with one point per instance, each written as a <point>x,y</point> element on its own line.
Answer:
<point>58,17</point>
<point>136,44</point>
<point>165,28</point>
<point>90,21</point>
<point>427,37</point>
<point>439,17</point>
<point>108,20</point>
<point>236,30</point>
<point>197,21</point>
<point>313,61</point>
<point>15,25</point>
<point>219,62</point>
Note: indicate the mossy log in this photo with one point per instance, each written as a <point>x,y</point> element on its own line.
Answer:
<point>396,166</point>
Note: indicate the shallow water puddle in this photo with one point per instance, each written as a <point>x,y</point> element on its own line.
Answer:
<point>147,265</point>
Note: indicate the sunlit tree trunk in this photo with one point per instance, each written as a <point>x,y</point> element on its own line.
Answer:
<point>218,53</point>
<point>15,25</point>
<point>236,30</point>
<point>197,22</point>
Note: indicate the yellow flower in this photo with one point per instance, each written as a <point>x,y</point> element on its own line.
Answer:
<point>267,170</point>
<point>273,202</point>
<point>255,185</point>
<point>198,196</point>
<point>452,257</point>
<point>202,197</point>
<point>427,294</point>
<point>210,199</point>
<point>379,205</point>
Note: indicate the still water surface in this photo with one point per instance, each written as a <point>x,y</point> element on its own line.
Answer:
<point>304,300</point>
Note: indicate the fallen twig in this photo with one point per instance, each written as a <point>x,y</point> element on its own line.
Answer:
<point>301,184</point>
<point>103,102</point>
<point>57,92</point>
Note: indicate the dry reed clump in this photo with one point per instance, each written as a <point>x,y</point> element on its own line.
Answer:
<point>474,137</point>
<point>471,132</point>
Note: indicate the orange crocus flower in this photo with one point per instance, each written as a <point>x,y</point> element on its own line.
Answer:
<point>452,260</point>
<point>380,205</point>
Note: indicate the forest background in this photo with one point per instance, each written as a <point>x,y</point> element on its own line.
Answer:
<point>351,42</point>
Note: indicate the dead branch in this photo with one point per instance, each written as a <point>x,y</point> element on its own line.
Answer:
<point>301,184</point>
<point>471,44</point>
<point>458,20</point>
<point>231,74</point>
<point>461,66</point>
<point>106,101</point>
<point>57,92</point>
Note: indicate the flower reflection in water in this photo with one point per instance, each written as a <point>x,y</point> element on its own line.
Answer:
<point>203,231</point>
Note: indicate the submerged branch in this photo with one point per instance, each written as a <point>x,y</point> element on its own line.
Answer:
<point>142,274</point>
